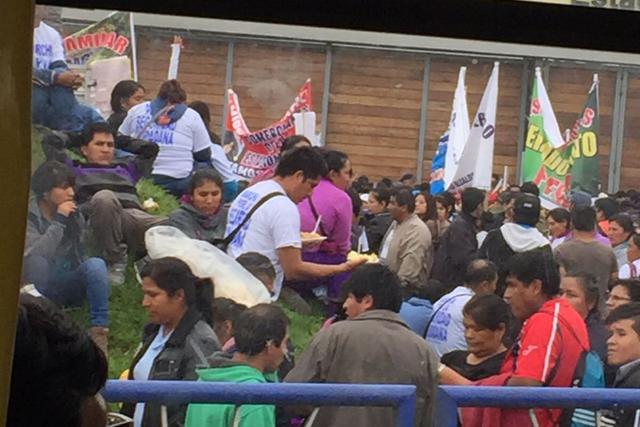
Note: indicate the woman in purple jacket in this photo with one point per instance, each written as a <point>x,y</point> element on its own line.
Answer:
<point>331,203</point>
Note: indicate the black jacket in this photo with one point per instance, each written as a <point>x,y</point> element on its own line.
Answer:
<point>626,377</point>
<point>458,247</point>
<point>188,348</point>
<point>376,228</point>
<point>195,225</point>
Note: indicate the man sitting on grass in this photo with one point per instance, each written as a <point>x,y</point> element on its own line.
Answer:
<point>54,259</point>
<point>106,189</point>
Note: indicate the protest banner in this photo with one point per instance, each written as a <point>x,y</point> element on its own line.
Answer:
<point>254,152</point>
<point>549,160</point>
<point>104,53</point>
<point>476,163</point>
<point>451,144</point>
<point>585,172</point>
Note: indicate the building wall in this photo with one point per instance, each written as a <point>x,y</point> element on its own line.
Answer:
<point>374,100</point>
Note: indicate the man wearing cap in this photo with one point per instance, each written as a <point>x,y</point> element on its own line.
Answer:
<point>518,236</point>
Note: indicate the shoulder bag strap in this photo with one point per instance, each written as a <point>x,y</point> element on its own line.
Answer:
<point>255,207</point>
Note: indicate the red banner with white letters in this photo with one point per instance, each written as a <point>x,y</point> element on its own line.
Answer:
<point>254,152</point>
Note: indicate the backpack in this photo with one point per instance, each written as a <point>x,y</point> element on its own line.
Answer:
<point>589,373</point>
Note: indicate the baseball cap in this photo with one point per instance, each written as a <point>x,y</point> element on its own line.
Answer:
<point>526,209</point>
<point>580,199</point>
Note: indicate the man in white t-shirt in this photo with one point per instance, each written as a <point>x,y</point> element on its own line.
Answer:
<point>274,228</point>
<point>445,330</point>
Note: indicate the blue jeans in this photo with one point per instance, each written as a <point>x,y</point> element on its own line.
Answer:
<point>176,186</point>
<point>90,281</point>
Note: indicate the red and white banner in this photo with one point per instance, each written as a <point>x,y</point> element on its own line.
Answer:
<point>252,153</point>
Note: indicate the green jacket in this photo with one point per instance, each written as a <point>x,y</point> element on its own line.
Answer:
<point>224,370</point>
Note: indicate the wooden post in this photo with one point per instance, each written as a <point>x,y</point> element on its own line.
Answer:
<point>16,38</point>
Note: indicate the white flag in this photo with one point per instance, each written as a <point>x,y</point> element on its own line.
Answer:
<point>550,124</point>
<point>476,163</point>
<point>174,62</point>
<point>458,130</point>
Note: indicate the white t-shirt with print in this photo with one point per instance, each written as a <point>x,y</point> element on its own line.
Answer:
<point>274,225</point>
<point>47,47</point>
<point>629,272</point>
<point>446,331</point>
<point>177,141</point>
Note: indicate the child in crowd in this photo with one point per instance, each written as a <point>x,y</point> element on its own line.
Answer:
<point>624,351</point>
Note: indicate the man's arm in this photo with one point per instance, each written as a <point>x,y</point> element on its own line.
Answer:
<point>450,377</point>
<point>145,152</point>
<point>297,269</point>
<point>55,143</point>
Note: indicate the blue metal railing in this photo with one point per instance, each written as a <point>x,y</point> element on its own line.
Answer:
<point>452,397</point>
<point>403,397</point>
<point>400,396</point>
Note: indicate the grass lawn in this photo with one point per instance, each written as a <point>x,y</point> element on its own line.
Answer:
<point>127,317</point>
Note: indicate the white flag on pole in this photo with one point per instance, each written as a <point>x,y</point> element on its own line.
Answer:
<point>476,163</point>
<point>174,62</point>
<point>458,129</point>
<point>550,124</point>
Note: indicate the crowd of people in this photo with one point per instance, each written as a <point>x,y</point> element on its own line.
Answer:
<point>472,288</point>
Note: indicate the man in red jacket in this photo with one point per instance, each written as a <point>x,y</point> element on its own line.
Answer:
<point>547,350</point>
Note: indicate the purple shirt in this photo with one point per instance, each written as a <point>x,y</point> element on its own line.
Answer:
<point>597,237</point>
<point>336,209</point>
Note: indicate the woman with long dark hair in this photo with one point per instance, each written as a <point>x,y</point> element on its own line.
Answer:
<point>125,95</point>
<point>331,208</point>
<point>202,215</point>
<point>179,132</point>
<point>178,339</point>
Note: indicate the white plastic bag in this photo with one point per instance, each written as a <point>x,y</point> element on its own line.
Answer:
<point>230,279</point>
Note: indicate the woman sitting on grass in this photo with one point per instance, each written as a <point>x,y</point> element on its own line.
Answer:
<point>202,215</point>
<point>178,339</point>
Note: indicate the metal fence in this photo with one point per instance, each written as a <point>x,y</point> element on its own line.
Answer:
<point>402,397</point>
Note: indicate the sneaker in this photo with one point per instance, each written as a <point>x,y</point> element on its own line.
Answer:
<point>100,336</point>
<point>295,301</point>
<point>117,273</point>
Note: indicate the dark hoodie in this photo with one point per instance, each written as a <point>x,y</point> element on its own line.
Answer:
<point>198,226</point>
<point>501,244</point>
<point>223,369</point>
